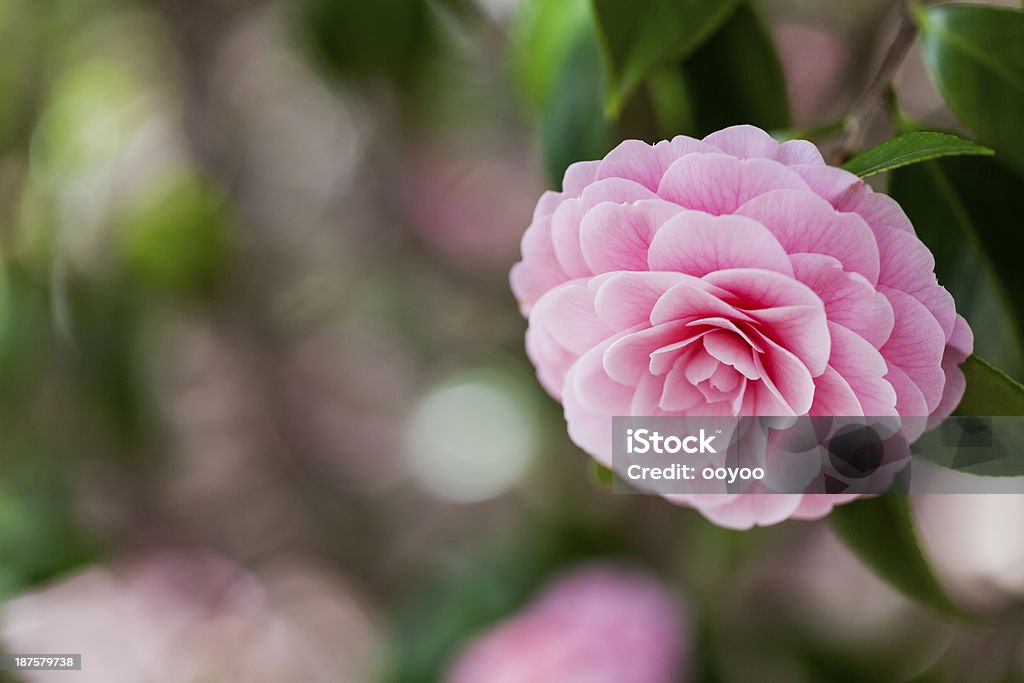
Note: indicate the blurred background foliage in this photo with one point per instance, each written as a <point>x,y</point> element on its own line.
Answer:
<point>255,252</point>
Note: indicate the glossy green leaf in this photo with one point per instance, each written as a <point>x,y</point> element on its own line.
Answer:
<point>638,35</point>
<point>975,54</point>
<point>968,212</point>
<point>990,391</point>
<point>911,148</point>
<point>541,38</point>
<point>881,532</point>
<point>742,55</point>
<point>574,127</point>
<point>984,447</point>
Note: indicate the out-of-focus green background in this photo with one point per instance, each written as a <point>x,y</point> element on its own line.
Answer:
<point>255,321</point>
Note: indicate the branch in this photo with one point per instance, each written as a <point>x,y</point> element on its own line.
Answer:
<point>864,107</point>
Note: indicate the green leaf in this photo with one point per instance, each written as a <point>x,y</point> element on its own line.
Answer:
<point>910,148</point>
<point>542,36</point>
<point>741,54</point>
<point>880,531</point>
<point>175,237</point>
<point>959,207</point>
<point>574,127</point>
<point>975,55</point>
<point>990,391</point>
<point>603,477</point>
<point>359,38</point>
<point>638,35</point>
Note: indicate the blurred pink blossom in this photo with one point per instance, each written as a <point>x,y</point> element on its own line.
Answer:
<point>466,206</point>
<point>597,624</point>
<point>195,618</point>
<point>727,276</point>
<point>974,544</point>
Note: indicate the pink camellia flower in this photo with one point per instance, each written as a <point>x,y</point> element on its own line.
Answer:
<point>598,624</point>
<point>729,276</point>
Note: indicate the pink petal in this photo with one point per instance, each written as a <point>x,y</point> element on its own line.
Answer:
<point>645,164</point>
<point>578,176</point>
<point>916,346</point>
<point>567,314</point>
<point>697,243</point>
<point>879,210</point>
<point>748,335</point>
<point>862,366</point>
<point>850,300</point>
<point>700,367</point>
<point>905,262</point>
<point>550,358</point>
<point>960,344</point>
<point>635,160</point>
<point>648,394</point>
<point>757,289</point>
<point>530,281</point>
<point>589,430</point>
<point>834,396</point>
<point>786,310</point>
<point>761,399</point>
<point>803,329</point>
<point>679,394</point>
<point>910,401</point>
<point>836,186</point>
<point>663,359</point>
<point>565,238</point>
<point>689,301</point>
<point>799,152</point>
<point>745,142</point>
<point>750,509</point>
<point>805,223</point>
<point>786,377</point>
<point>731,350</point>
<point>736,406</point>
<point>617,236</point>
<point>594,389</point>
<point>626,299</point>
<point>539,270</point>
<point>953,390</point>
<point>907,265</point>
<point>725,378</point>
<point>940,304</point>
<point>817,505</point>
<point>715,396</point>
<point>709,409</point>
<point>565,222</point>
<point>618,190</point>
<point>628,359</point>
<point>547,204</point>
<point>719,184</point>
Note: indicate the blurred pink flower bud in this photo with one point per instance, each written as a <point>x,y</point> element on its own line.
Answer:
<point>192,619</point>
<point>729,276</point>
<point>597,624</point>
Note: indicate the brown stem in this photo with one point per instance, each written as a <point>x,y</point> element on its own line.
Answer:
<point>863,108</point>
